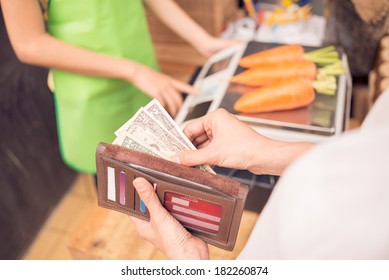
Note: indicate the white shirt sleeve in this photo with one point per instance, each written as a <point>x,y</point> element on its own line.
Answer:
<point>333,202</point>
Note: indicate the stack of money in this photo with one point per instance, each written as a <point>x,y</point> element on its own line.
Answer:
<point>151,130</point>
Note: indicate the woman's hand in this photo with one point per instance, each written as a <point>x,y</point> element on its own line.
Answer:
<point>164,231</point>
<point>224,140</point>
<point>160,86</point>
<point>213,44</point>
<point>176,19</point>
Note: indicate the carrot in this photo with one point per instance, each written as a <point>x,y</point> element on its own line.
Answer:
<point>281,53</point>
<point>289,53</point>
<point>286,95</point>
<point>272,73</point>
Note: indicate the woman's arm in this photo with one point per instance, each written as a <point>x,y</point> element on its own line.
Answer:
<point>179,22</point>
<point>33,45</point>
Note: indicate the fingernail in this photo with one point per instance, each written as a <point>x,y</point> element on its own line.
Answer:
<point>139,187</point>
<point>175,159</point>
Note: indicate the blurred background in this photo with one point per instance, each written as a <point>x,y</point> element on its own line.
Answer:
<point>48,211</point>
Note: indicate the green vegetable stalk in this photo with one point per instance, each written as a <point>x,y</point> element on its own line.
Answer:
<point>331,66</point>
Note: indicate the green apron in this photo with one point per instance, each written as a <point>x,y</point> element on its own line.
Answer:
<point>90,109</point>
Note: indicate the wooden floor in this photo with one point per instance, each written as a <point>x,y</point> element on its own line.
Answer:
<point>53,238</point>
<point>69,231</point>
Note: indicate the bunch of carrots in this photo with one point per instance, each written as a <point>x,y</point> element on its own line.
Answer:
<point>287,78</point>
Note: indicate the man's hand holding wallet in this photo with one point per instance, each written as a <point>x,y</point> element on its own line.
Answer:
<point>209,206</point>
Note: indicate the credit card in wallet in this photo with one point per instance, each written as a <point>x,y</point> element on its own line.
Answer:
<point>194,213</point>
<point>208,205</point>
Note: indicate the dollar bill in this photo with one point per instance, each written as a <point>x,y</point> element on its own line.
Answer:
<point>133,143</point>
<point>151,133</point>
<point>127,123</point>
<point>156,110</point>
<point>151,130</point>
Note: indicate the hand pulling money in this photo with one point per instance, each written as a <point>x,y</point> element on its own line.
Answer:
<point>208,205</point>
<point>151,130</point>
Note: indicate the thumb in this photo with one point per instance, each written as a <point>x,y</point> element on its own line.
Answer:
<point>193,157</point>
<point>147,194</point>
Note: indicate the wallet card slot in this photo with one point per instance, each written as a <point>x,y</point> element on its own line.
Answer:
<point>195,213</point>
<point>130,191</point>
<point>117,184</point>
<point>220,233</point>
<point>204,213</point>
<point>175,180</point>
<point>117,190</point>
<point>111,184</point>
<point>122,187</point>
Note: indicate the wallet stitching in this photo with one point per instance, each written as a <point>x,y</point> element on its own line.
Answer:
<point>171,184</point>
<point>209,237</point>
<point>180,187</point>
<point>115,150</point>
<point>134,167</point>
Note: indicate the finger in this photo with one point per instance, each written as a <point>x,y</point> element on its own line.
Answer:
<point>172,107</point>
<point>228,43</point>
<point>140,225</point>
<point>200,139</point>
<point>195,128</point>
<point>147,194</point>
<point>203,144</point>
<point>194,157</point>
<point>185,88</point>
<point>143,228</point>
<point>178,98</point>
<point>161,100</point>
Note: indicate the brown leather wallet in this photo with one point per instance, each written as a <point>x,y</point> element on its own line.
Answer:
<point>207,205</point>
